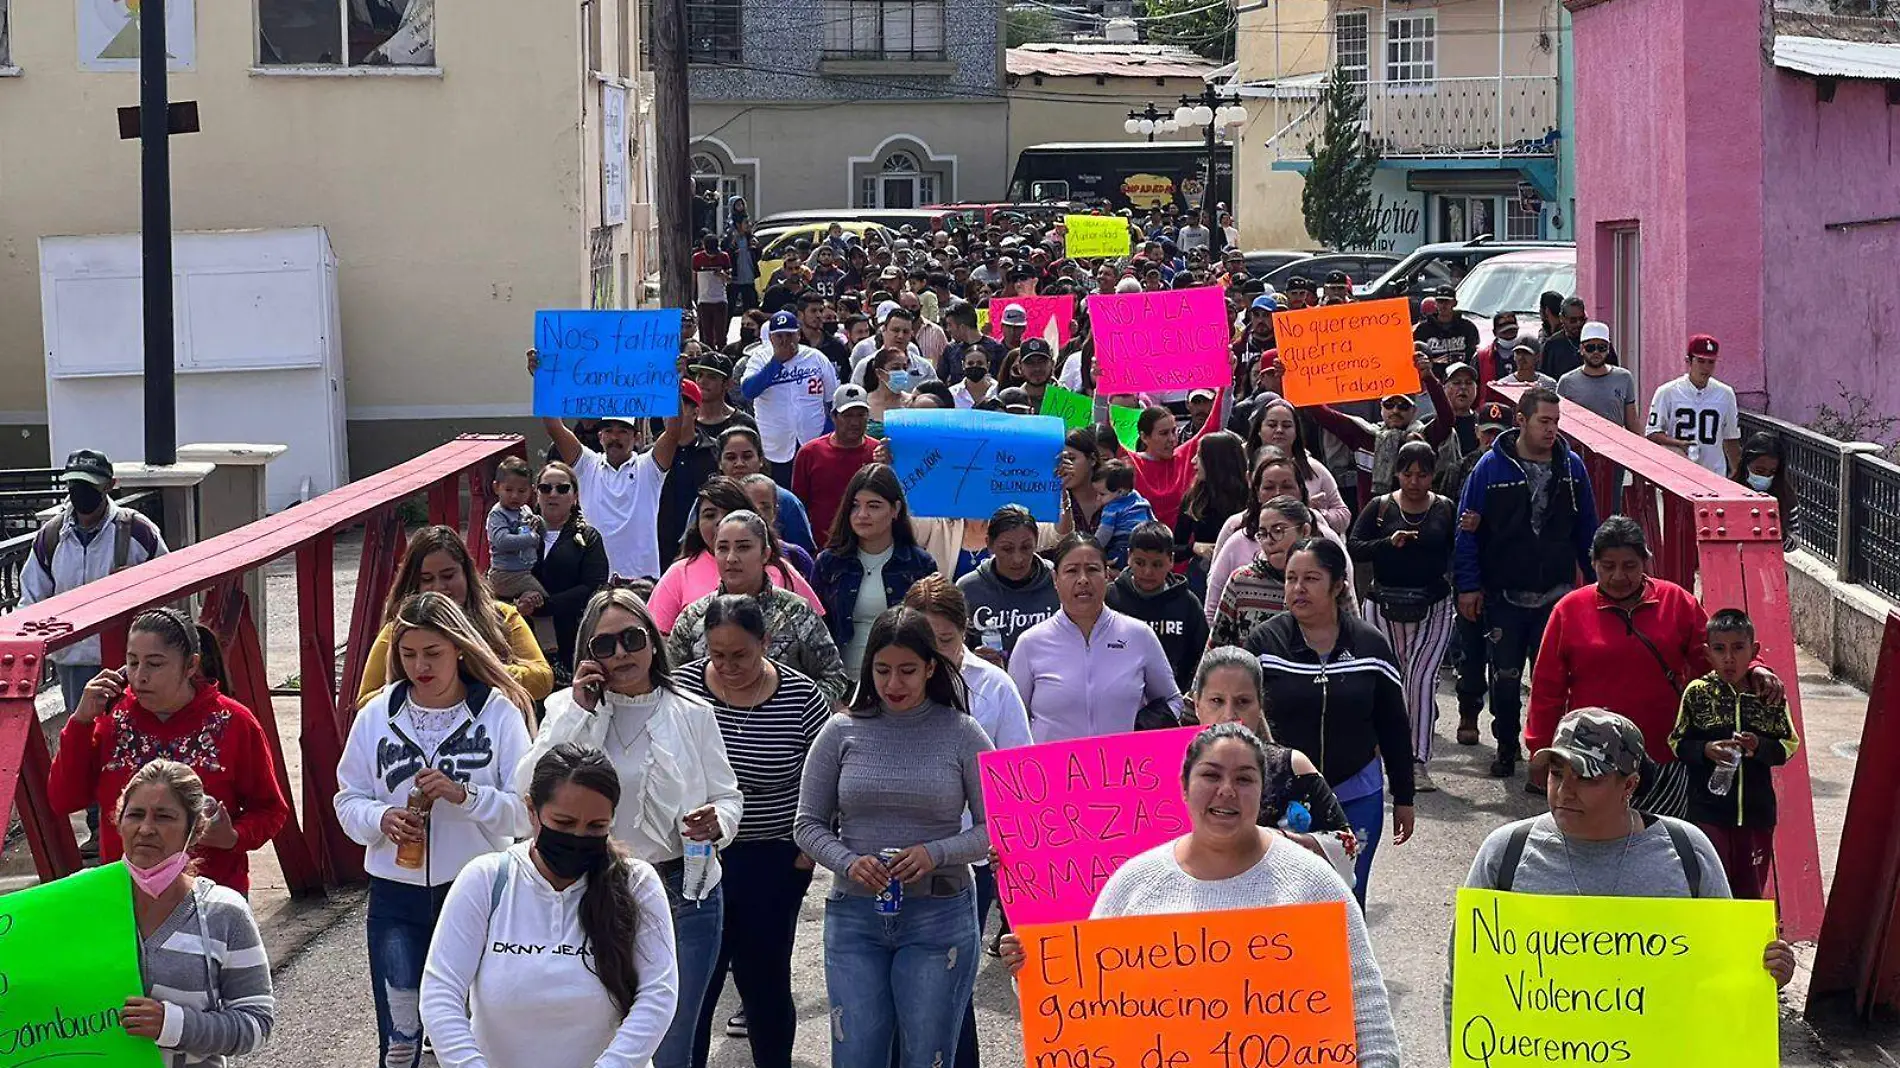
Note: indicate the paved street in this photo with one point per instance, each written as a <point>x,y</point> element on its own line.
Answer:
<point>326,1019</point>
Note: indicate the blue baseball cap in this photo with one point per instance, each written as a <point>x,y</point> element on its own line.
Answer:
<point>783,322</point>
<point>1265,300</point>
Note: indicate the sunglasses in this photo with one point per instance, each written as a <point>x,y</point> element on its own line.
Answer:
<point>1596,346</point>
<point>601,646</point>
<point>1394,403</point>
<point>555,487</point>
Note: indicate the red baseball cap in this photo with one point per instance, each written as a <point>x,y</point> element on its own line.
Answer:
<point>1705,346</point>
<point>689,390</point>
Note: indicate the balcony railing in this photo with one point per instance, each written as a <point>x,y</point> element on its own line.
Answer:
<point>1514,115</point>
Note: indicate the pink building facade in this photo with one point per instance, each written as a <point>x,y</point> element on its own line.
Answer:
<point>1738,175</point>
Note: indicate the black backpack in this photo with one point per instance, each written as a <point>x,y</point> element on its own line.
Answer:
<point>1685,852</point>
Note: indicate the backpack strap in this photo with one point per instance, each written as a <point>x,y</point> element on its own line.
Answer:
<point>1513,854</point>
<point>46,542</point>
<point>1685,852</point>
<point>121,544</point>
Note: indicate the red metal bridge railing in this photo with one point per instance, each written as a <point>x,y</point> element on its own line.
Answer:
<point>314,851</point>
<point>1700,524</point>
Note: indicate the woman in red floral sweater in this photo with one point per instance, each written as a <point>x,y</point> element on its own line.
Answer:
<point>167,702</point>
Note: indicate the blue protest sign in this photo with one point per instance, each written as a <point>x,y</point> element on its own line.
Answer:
<point>967,464</point>
<point>600,363</point>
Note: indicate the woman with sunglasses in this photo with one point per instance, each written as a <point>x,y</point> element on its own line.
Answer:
<point>696,573</point>
<point>573,562</point>
<point>1257,592</point>
<point>746,551</point>
<point>678,787</point>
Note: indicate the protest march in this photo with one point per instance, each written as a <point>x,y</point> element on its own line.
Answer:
<point>1074,604</point>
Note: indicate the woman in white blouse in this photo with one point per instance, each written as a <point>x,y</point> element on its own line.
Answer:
<point>589,975</point>
<point>677,786</point>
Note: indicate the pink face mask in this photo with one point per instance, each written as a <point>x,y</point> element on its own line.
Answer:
<point>157,879</point>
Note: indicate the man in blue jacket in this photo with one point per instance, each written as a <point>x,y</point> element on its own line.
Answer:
<point>1527,519</point>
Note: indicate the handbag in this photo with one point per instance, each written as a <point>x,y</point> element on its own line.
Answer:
<point>1663,789</point>
<point>1400,604</point>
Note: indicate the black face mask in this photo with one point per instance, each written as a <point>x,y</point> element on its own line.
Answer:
<point>975,374</point>
<point>571,856</point>
<point>85,496</point>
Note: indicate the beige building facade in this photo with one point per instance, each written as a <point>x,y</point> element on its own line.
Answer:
<point>1283,50</point>
<point>1085,92</point>
<point>458,155</point>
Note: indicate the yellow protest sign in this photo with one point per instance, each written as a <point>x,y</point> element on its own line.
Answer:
<point>1347,352</point>
<point>1542,979</point>
<point>1095,236</point>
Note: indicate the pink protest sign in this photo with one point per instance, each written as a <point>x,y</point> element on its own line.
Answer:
<point>1050,318</point>
<point>1064,815</point>
<point>1170,340</point>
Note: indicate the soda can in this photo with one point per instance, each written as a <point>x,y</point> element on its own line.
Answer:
<point>890,900</point>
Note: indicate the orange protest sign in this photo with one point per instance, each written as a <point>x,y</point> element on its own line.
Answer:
<point>1248,989</point>
<point>1347,352</point>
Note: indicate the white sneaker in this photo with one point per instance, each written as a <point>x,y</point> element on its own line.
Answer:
<point>1422,779</point>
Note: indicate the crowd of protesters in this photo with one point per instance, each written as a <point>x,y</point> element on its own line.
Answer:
<point>712,653</point>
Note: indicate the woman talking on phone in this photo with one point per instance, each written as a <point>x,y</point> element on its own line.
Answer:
<point>169,702</point>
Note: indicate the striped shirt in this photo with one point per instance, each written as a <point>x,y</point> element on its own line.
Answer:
<point>767,744</point>
<point>187,956</point>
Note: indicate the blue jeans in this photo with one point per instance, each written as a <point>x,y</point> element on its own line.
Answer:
<point>1366,817</point>
<point>401,923</point>
<point>1513,634</point>
<point>697,926</point>
<point>906,977</point>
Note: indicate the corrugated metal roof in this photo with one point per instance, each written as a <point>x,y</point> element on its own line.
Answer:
<point>1106,60</point>
<point>1829,58</point>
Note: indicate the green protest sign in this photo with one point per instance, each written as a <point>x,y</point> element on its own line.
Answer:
<point>1124,420</point>
<point>69,958</point>
<point>1075,409</point>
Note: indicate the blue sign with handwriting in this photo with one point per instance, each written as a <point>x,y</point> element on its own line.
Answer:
<point>966,464</point>
<point>594,364</point>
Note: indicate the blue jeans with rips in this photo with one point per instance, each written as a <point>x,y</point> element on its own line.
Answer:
<point>697,928</point>
<point>401,923</point>
<point>903,978</point>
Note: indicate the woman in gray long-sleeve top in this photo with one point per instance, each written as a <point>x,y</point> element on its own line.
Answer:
<point>896,773</point>
<point>198,942</point>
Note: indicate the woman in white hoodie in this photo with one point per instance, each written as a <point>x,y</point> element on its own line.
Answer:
<point>447,733</point>
<point>680,799</point>
<point>558,951</point>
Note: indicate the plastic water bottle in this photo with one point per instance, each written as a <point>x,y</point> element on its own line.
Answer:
<point>699,862</point>
<point>993,639</point>
<point>1722,780</point>
<point>1297,818</point>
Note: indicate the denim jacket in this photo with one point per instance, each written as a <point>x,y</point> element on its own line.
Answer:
<point>837,576</point>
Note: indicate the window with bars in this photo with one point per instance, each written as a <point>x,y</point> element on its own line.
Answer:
<point>884,29</point>
<point>712,31</point>
<point>1411,49</point>
<point>346,33</point>
<point>1521,223</point>
<point>1351,44</point>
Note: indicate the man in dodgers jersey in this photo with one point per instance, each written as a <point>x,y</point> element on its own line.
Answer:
<point>1696,415</point>
<point>790,386</point>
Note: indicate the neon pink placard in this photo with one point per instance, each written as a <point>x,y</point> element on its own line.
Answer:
<point>1170,340</point>
<point>1050,318</point>
<point>1064,815</point>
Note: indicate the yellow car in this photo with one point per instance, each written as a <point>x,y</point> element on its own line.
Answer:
<point>774,241</point>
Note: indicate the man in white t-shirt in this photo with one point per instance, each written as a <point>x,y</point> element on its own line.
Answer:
<point>1696,414</point>
<point>619,488</point>
<point>790,387</point>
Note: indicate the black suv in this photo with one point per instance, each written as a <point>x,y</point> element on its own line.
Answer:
<point>1443,264</point>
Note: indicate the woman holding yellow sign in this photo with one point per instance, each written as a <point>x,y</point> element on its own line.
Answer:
<point>1226,861</point>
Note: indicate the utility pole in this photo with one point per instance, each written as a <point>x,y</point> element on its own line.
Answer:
<point>155,193</point>
<point>673,192</point>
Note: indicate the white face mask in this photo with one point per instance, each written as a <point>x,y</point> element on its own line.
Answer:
<point>1760,483</point>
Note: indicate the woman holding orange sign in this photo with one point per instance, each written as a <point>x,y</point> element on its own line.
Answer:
<point>1227,862</point>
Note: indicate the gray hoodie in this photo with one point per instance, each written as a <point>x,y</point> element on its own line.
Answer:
<point>996,604</point>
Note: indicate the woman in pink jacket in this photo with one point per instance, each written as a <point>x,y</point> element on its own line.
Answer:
<point>696,574</point>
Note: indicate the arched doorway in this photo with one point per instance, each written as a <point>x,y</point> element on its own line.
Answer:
<point>713,190</point>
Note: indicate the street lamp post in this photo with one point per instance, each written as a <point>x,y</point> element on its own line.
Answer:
<point>1149,121</point>
<point>1215,112</point>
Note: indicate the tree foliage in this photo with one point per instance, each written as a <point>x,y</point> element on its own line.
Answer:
<point>1027,25</point>
<point>1337,200</point>
<point>1208,32</point>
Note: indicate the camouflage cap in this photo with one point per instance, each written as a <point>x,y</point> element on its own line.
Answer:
<point>1595,741</point>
